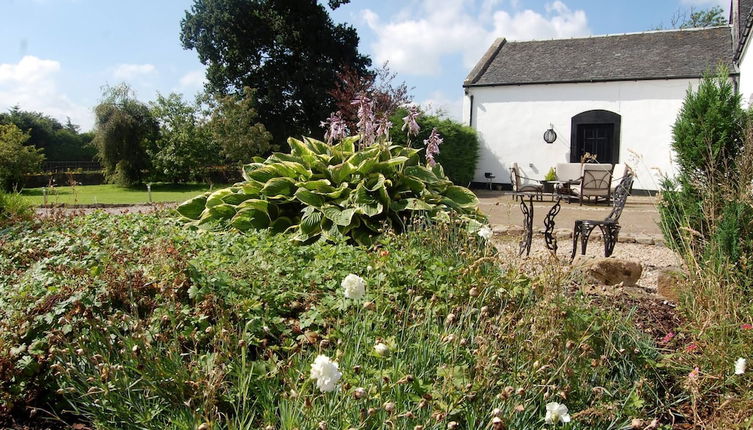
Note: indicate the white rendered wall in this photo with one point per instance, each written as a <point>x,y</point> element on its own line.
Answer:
<point>746,76</point>
<point>511,121</point>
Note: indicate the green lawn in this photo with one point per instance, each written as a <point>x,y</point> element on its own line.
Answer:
<point>111,194</point>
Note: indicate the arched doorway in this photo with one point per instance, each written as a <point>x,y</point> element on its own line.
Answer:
<point>596,132</point>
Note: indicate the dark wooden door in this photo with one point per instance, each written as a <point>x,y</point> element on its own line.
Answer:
<point>595,139</point>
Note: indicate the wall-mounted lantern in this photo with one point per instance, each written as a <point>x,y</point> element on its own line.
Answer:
<point>550,135</point>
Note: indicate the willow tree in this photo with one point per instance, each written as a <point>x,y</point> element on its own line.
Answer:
<point>123,128</point>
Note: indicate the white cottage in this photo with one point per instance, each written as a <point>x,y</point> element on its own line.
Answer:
<point>616,96</point>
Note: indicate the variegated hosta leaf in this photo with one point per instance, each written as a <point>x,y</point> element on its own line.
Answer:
<point>333,192</point>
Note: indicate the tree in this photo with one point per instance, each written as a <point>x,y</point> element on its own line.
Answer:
<point>712,17</point>
<point>124,126</point>
<point>289,50</point>
<point>377,85</point>
<point>16,158</point>
<point>707,138</point>
<point>183,148</point>
<point>59,142</point>
<point>234,129</point>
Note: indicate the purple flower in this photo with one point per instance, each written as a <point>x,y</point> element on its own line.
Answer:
<point>336,128</point>
<point>367,126</point>
<point>432,147</point>
<point>409,122</point>
<point>383,127</point>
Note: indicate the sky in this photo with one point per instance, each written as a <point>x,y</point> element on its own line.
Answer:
<point>56,55</point>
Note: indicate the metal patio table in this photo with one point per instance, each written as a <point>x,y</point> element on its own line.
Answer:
<point>526,207</point>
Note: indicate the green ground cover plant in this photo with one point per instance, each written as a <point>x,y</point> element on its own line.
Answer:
<point>113,194</point>
<point>138,322</point>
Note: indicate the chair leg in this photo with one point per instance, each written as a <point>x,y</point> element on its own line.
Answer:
<point>576,234</point>
<point>584,235</point>
<point>611,235</point>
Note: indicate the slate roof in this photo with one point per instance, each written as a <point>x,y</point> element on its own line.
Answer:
<point>627,57</point>
<point>745,16</point>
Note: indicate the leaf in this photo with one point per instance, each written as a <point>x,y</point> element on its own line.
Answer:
<point>462,196</point>
<point>236,198</point>
<point>341,172</point>
<point>280,224</point>
<point>309,198</point>
<point>260,205</point>
<point>193,208</point>
<point>216,197</point>
<point>311,222</point>
<point>277,188</point>
<point>250,218</point>
<point>321,185</point>
<point>422,173</point>
<point>223,211</point>
<point>339,216</point>
<point>416,205</point>
<point>263,174</point>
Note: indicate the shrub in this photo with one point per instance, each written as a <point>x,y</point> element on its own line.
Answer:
<point>16,159</point>
<point>13,207</point>
<point>334,191</point>
<point>707,138</point>
<point>458,154</point>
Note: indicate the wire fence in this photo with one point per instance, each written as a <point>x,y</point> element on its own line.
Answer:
<point>66,166</point>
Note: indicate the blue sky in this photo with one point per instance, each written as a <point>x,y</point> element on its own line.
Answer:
<point>57,54</point>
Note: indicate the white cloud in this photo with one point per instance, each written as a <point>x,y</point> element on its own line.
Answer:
<point>32,85</point>
<point>417,46</point>
<point>439,103</point>
<point>127,72</point>
<point>193,80</point>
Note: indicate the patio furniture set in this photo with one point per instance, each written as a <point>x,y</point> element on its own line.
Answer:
<point>596,180</point>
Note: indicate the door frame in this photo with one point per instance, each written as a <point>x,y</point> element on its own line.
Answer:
<point>596,116</point>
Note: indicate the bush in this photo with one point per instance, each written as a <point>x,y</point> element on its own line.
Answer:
<point>13,207</point>
<point>334,192</point>
<point>459,152</point>
<point>707,138</point>
<point>16,159</point>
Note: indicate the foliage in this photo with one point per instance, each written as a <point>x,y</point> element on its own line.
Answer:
<point>16,159</point>
<point>13,208</point>
<point>59,142</point>
<point>334,191</point>
<point>459,152</point>
<point>289,51</point>
<point>233,127</point>
<point>124,127</point>
<point>376,85</point>
<point>183,149</point>
<point>707,138</point>
<point>551,175</point>
<point>711,17</point>
<point>137,322</point>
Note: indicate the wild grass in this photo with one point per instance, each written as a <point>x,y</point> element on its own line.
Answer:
<point>137,322</point>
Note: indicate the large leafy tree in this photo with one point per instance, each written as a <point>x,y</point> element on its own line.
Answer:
<point>289,50</point>
<point>59,142</point>
<point>183,149</point>
<point>124,128</point>
<point>233,127</point>
<point>16,158</point>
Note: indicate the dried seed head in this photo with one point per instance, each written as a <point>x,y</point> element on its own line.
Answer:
<point>452,425</point>
<point>389,407</point>
<point>496,412</point>
<point>322,425</point>
<point>520,391</point>
<point>497,423</point>
<point>450,318</point>
<point>369,306</point>
<point>203,426</point>
<point>358,393</point>
<point>418,427</point>
<point>473,292</point>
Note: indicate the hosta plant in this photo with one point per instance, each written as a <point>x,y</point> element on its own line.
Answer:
<point>335,191</point>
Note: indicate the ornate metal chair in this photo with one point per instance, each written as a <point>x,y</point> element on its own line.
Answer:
<point>609,226</point>
<point>519,187</point>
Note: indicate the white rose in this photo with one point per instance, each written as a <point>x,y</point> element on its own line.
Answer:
<point>556,412</point>
<point>355,287</point>
<point>485,232</point>
<point>381,348</point>
<point>326,372</point>
<point>740,366</point>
